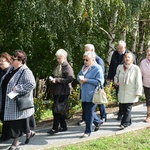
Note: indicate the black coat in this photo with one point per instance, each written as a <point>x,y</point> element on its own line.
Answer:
<point>116,60</point>
<point>63,84</point>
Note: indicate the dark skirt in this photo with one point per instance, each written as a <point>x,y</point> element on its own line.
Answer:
<point>147,95</point>
<point>20,127</point>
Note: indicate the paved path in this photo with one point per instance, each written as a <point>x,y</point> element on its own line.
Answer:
<point>43,141</point>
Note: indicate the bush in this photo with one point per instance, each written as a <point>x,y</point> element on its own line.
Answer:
<point>1,124</point>
<point>110,92</point>
<point>39,107</point>
<point>74,102</point>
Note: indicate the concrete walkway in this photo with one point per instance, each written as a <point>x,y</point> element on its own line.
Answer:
<point>42,141</point>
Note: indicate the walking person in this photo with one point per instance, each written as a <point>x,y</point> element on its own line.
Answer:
<point>117,59</point>
<point>61,79</point>
<point>5,61</point>
<point>103,115</point>
<point>19,121</point>
<point>145,70</point>
<point>128,78</point>
<point>89,77</point>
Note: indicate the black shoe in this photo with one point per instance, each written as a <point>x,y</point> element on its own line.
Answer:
<point>119,117</point>
<point>28,139</point>
<point>81,122</point>
<point>98,126</point>
<point>62,129</point>
<point>3,140</point>
<point>52,132</point>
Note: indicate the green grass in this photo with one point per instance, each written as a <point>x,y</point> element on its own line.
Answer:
<point>46,114</point>
<point>137,140</point>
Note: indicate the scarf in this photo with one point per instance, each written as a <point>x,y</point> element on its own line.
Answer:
<point>58,71</point>
<point>85,69</point>
<point>127,74</point>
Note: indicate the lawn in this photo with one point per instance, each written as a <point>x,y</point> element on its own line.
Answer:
<point>137,140</point>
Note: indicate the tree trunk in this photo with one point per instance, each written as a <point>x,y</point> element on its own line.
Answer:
<point>141,37</point>
<point>134,35</point>
<point>112,27</point>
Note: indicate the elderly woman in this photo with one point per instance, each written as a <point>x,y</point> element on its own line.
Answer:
<point>61,79</point>
<point>5,61</point>
<point>89,77</point>
<point>128,77</point>
<point>145,70</point>
<point>18,79</point>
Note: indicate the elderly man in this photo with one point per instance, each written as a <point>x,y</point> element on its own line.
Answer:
<point>103,116</point>
<point>116,59</point>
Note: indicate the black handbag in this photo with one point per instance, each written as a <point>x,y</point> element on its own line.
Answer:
<point>24,101</point>
<point>60,107</point>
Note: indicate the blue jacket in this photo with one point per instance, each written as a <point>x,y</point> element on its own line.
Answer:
<point>100,62</point>
<point>94,76</point>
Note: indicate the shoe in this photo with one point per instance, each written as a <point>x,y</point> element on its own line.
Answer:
<point>122,127</point>
<point>85,135</point>
<point>32,134</point>
<point>119,117</point>
<point>62,129</point>
<point>104,120</point>
<point>3,140</point>
<point>13,148</point>
<point>52,132</point>
<point>98,126</point>
<point>81,122</point>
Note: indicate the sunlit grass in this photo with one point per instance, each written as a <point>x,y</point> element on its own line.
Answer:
<point>137,140</point>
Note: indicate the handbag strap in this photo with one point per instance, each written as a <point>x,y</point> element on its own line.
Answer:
<point>20,77</point>
<point>100,86</point>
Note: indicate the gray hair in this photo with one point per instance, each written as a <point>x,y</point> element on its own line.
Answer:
<point>61,52</point>
<point>91,46</point>
<point>123,43</point>
<point>90,54</point>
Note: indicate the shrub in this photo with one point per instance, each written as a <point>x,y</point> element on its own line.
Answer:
<point>110,92</point>
<point>39,107</point>
<point>74,102</point>
<point>1,124</point>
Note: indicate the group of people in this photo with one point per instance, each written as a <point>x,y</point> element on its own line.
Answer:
<point>123,72</point>
<point>15,78</point>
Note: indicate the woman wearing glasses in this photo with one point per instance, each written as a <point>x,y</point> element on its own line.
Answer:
<point>145,70</point>
<point>89,77</point>
<point>20,121</point>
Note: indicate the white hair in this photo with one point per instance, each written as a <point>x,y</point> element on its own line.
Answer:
<point>90,54</point>
<point>123,43</point>
<point>61,52</point>
<point>91,47</point>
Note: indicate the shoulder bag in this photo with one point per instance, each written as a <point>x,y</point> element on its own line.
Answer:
<point>60,107</point>
<point>99,96</point>
<point>24,101</point>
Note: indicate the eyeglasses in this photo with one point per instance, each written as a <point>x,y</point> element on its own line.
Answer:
<point>13,59</point>
<point>85,60</point>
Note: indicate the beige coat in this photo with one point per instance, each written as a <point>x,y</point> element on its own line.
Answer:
<point>129,92</point>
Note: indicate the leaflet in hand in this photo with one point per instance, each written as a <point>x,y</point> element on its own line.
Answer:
<point>81,77</point>
<point>12,94</point>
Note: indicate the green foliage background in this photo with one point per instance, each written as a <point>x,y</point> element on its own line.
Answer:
<point>41,27</point>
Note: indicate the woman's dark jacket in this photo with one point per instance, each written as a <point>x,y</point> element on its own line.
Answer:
<point>62,86</point>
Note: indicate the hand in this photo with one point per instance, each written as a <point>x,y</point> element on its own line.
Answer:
<point>81,81</point>
<point>54,80</point>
